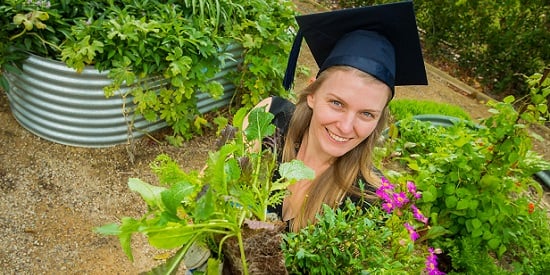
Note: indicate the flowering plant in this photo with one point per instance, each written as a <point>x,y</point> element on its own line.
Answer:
<point>477,183</point>
<point>389,236</point>
<point>402,204</point>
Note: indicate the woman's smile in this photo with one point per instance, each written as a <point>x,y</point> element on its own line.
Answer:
<point>337,138</point>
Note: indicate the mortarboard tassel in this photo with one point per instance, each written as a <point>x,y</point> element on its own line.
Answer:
<point>292,61</point>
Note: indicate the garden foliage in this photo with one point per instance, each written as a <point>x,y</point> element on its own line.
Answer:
<point>495,42</point>
<point>464,202</point>
<point>212,205</point>
<point>169,51</point>
<point>381,238</point>
<point>478,184</point>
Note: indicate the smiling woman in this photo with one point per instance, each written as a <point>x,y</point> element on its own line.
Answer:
<point>347,107</point>
<point>337,120</point>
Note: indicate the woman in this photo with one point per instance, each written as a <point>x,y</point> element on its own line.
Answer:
<point>338,118</point>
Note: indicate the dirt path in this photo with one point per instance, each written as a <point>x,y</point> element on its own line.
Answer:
<point>53,195</point>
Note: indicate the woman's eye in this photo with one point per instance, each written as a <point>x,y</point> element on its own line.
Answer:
<point>336,103</point>
<point>367,114</point>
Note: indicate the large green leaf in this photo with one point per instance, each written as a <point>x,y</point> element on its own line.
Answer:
<point>259,125</point>
<point>205,206</point>
<point>296,170</point>
<point>108,229</point>
<point>173,197</point>
<point>151,194</point>
<point>171,235</point>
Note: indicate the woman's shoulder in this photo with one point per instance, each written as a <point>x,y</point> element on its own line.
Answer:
<point>279,104</point>
<point>282,110</point>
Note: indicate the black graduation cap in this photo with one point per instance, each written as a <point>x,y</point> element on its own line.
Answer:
<point>381,40</point>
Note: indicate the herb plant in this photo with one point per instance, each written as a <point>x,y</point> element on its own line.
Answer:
<point>235,188</point>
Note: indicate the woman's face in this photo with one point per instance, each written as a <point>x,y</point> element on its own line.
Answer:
<point>346,109</point>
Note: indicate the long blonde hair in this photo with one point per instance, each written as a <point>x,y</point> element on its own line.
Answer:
<point>332,185</point>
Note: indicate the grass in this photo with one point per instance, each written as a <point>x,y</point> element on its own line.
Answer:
<point>405,108</point>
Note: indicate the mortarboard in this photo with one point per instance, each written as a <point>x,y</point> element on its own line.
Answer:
<point>381,40</point>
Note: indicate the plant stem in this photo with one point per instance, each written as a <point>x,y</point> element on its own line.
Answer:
<point>179,256</point>
<point>243,256</point>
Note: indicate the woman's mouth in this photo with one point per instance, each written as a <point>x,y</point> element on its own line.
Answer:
<point>337,137</point>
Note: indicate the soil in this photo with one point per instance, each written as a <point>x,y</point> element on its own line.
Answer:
<point>262,247</point>
<point>54,195</point>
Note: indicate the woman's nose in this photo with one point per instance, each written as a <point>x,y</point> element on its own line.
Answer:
<point>346,122</point>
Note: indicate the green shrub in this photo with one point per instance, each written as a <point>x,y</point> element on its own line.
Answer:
<point>335,246</point>
<point>405,108</point>
<point>144,44</point>
<point>496,42</point>
<point>478,184</point>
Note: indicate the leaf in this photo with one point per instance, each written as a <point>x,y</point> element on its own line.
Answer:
<point>213,266</point>
<point>451,202</point>
<point>260,125</point>
<point>170,236</point>
<point>151,194</point>
<point>414,166</point>
<point>239,117</point>
<point>215,173</point>
<point>493,243</point>
<point>436,231</point>
<point>477,232</point>
<point>428,196</point>
<point>173,197</point>
<point>205,206</point>
<point>476,223</point>
<point>108,229</point>
<point>463,204</point>
<point>489,181</point>
<point>501,250</point>
<point>449,189</point>
<point>296,170</point>
<point>127,228</point>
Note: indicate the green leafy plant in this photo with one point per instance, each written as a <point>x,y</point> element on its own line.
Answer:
<point>186,53</point>
<point>478,184</point>
<point>166,51</point>
<point>389,236</point>
<point>493,43</point>
<point>39,27</point>
<point>235,188</point>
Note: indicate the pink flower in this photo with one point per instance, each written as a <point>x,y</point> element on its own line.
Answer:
<point>431,264</point>
<point>418,215</point>
<point>414,235</point>
<point>400,199</point>
<point>381,193</point>
<point>386,184</point>
<point>388,206</point>
<point>412,189</point>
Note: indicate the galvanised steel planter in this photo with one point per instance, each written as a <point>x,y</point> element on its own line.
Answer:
<point>56,103</point>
